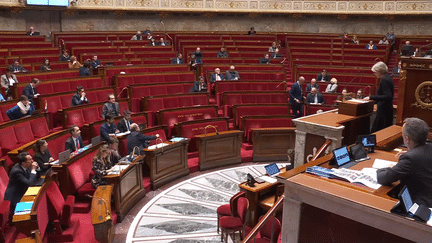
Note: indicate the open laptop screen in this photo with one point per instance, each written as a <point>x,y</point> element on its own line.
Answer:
<point>272,169</point>
<point>341,156</point>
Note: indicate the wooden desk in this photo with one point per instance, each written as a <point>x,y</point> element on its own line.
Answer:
<point>24,222</point>
<point>389,138</point>
<point>101,214</point>
<point>167,163</point>
<point>216,150</point>
<point>272,144</point>
<point>312,131</point>
<point>128,188</point>
<point>321,210</point>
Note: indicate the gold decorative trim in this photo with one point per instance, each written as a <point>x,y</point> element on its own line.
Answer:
<point>423,95</point>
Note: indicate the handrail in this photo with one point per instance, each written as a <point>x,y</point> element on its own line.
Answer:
<point>322,149</point>
<point>261,223</point>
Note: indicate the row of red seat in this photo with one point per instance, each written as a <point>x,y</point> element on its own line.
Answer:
<point>113,49</point>
<point>234,98</point>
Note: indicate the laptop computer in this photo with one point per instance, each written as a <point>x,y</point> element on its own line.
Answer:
<point>342,158</point>
<point>272,169</point>
<point>63,156</point>
<point>95,140</point>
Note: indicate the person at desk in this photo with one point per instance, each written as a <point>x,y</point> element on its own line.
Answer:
<point>101,166</point>
<point>265,59</point>
<point>42,156</point>
<point>232,74</point>
<point>323,76</point>
<point>111,107</point>
<point>178,60</point>
<point>124,124</point>
<point>383,98</point>
<point>137,139</point>
<point>8,80</point>
<point>30,90</point>
<point>95,63</point>
<point>414,168</point>
<point>23,108</point>
<point>108,129</point>
<point>74,142</point>
<point>79,97</point>
<point>115,156</point>
<point>85,69</point>
<point>199,86</point>
<point>21,177</point>
<point>314,97</point>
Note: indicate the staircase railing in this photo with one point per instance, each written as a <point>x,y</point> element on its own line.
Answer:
<point>251,237</point>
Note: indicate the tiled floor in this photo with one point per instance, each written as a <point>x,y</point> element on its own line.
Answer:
<point>184,210</point>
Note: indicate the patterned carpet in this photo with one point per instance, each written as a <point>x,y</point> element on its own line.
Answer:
<point>186,212</point>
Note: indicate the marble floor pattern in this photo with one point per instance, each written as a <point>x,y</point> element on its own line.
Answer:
<point>186,211</point>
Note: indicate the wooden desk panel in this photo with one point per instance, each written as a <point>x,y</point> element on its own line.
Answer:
<point>272,144</point>
<point>101,214</point>
<point>167,163</point>
<point>216,150</point>
<point>389,138</point>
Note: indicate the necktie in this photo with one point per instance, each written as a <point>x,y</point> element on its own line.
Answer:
<point>77,144</point>
<point>27,173</point>
<point>127,125</point>
<point>178,61</point>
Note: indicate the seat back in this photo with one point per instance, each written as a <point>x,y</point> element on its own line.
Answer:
<point>242,208</point>
<point>271,229</point>
<point>234,201</point>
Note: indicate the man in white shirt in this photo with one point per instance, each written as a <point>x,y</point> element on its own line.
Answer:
<point>74,142</point>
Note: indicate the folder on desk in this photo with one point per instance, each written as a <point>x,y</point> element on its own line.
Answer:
<point>32,191</point>
<point>23,207</point>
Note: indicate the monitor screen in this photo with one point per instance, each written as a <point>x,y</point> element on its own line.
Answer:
<point>406,198</point>
<point>64,3</point>
<point>341,156</point>
<point>368,140</point>
<point>272,169</point>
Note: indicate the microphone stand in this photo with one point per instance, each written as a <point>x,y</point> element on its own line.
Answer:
<point>108,213</point>
<point>208,126</point>
<point>280,84</point>
<point>122,92</point>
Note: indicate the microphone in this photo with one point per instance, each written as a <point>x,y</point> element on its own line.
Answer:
<point>424,46</point>
<point>122,92</point>
<point>370,89</point>
<point>157,139</point>
<point>208,126</point>
<point>280,84</point>
<point>107,211</point>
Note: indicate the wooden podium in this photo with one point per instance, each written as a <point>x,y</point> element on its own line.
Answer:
<point>353,108</point>
<point>220,149</point>
<point>101,214</point>
<point>272,144</point>
<point>167,163</point>
<point>415,90</point>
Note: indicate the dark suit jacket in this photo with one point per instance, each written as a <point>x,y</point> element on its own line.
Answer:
<point>138,139</point>
<point>94,64</point>
<point>195,88</point>
<point>384,101</point>
<point>309,87</point>
<point>232,76</point>
<point>326,78</point>
<point>310,99</point>
<point>174,61</point>
<point>15,112</point>
<point>19,68</point>
<point>105,130</point>
<point>84,71</point>
<point>69,144</point>
<point>107,109</point>
<point>28,91</point>
<point>213,77</point>
<point>265,60</point>
<point>396,71</point>
<point>295,93</point>
<point>414,170</point>
<point>76,100</point>
<point>19,182</point>
<point>121,125</point>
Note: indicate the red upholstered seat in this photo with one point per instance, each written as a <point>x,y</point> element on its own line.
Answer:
<point>87,188</point>
<point>265,234</point>
<point>23,133</point>
<point>61,87</point>
<point>75,118</point>
<point>4,204</point>
<point>231,224</point>
<point>227,209</point>
<point>39,127</point>
<point>8,140</point>
<point>91,115</point>
<point>79,173</point>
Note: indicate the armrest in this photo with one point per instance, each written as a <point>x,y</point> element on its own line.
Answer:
<point>67,210</point>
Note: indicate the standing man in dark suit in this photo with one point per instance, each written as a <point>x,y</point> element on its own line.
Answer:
<point>178,59</point>
<point>323,76</point>
<point>414,168</point>
<point>74,142</point>
<point>111,107</point>
<point>124,124</point>
<point>30,90</point>
<point>137,139</point>
<point>79,97</point>
<point>296,98</point>
<point>108,129</point>
<point>21,177</point>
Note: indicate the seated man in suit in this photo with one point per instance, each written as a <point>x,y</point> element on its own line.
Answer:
<point>276,54</point>
<point>8,80</point>
<point>17,67</point>
<point>198,54</point>
<point>138,36</point>
<point>162,42</point>
<point>21,177</point>
<point>30,90</point>
<point>199,86</point>
<point>95,63</point>
<point>232,74</point>
<point>79,97</point>
<point>22,109</point>
<point>311,85</point>
<point>407,49</point>
<point>124,124</point>
<point>265,59</point>
<point>115,156</point>
<point>85,69</point>
<point>111,107</point>
<point>360,94</point>
<point>31,32</point>
<point>396,70</point>
<point>222,53</point>
<point>74,142</point>
<point>137,139</point>
<point>371,46</point>
<point>323,76</point>
<point>65,57</point>
<point>216,76</point>
<point>178,59</point>
<point>314,97</point>
<point>153,42</point>
<point>108,129</point>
